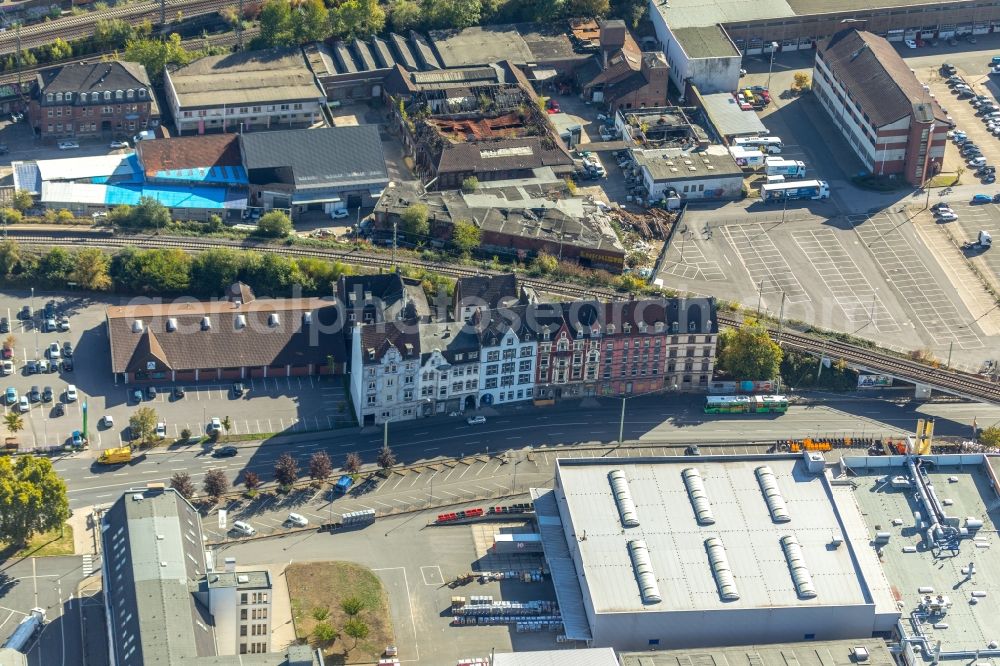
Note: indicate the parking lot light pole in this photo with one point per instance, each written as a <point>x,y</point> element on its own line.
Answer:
<point>774,49</point>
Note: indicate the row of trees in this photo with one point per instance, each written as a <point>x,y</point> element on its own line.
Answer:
<point>286,472</point>
<point>284,23</point>
<point>415,225</point>
<point>169,271</point>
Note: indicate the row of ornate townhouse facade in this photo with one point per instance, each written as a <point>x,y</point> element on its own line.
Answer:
<point>541,352</point>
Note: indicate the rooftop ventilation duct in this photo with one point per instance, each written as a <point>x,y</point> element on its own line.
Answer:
<point>171,324</point>
<point>241,321</point>
<point>137,326</point>
<point>206,324</point>
<point>797,565</point>
<point>623,498</point>
<point>720,568</point>
<point>648,589</point>
<point>307,318</point>
<point>772,495</point>
<point>273,320</point>
<point>696,493</point>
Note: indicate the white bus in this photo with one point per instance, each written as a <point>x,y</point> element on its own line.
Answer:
<point>771,144</point>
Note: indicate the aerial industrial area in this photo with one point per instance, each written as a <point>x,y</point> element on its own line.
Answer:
<point>446,332</point>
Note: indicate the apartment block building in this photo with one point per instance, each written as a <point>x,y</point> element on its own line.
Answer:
<point>508,347</point>
<point>385,360</point>
<point>893,124</point>
<point>449,369</point>
<point>100,99</point>
<point>240,602</point>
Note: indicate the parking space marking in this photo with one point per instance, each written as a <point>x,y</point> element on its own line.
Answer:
<point>764,262</point>
<point>693,264</point>
<point>850,288</point>
<point>913,280</point>
<point>432,575</point>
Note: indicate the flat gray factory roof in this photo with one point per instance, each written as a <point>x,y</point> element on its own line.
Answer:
<point>674,164</point>
<point>519,43</point>
<point>700,13</point>
<point>678,547</point>
<point>729,119</point>
<point>808,7</point>
<point>969,626</point>
<point>707,41</point>
<point>810,653</point>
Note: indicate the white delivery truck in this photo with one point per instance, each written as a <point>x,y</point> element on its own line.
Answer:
<point>747,158</point>
<point>777,166</point>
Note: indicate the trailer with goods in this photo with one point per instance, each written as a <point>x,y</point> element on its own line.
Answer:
<point>748,158</point>
<point>26,630</point>
<point>777,166</point>
<point>806,189</point>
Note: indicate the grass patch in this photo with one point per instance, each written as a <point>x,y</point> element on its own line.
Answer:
<point>317,590</point>
<point>46,544</point>
<point>943,180</point>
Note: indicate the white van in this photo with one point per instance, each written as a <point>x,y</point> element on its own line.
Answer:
<point>243,529</point>
<point>985,240</point>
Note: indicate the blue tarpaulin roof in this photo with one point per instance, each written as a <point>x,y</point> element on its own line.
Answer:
<point>234,175</point>
<point>176,197</point>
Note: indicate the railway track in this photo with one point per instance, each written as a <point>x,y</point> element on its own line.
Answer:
<point>951,381</point>
<point>82,25</point>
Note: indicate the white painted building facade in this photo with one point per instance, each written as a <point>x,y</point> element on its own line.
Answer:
<point>507,367</point>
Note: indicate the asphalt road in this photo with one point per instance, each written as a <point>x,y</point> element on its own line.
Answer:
<point>648,419</point>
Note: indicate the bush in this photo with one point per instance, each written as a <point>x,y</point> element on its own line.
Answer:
<point>470,184</point>
<point>274,225</point>
<point>13,216</point>
<point>186,434</point>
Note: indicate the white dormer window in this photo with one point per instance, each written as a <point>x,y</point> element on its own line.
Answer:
<point>58,97</point>
<point>674,327</point>
<point>142,93</point>
<point>692,326</point>
<point>658,327</point>
<point>107,95</point>
<point>69,97</point>
<point>49,97</point>
<point>611,329</point>
<point>642,327</point>
<point>119,94</point>
<point>130,94</point>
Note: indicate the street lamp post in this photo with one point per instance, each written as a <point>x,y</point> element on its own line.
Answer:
<point>621,422</point>
<point>774,49</point>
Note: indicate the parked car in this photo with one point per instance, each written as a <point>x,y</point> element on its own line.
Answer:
<point>476,420</point>
<point>239,389</point>
<point>107,421</point>
<point>910,44</point>
<point>30,367</point>
<point>4,325</point>
<point>7,353</point>
<point>947,217</point>
<point>214,425</point>
<point>225,452</point>
<point>178,392</point>
<point>11,395</point>
<point>34,395</point>
<point>979,160</point>
<point>70,393</point>
<point>115,145</point>
<point>67,349</point>
<point>25,312</point>
<point>7,367</point>
<point>989,178</point>
<point>67,365</point>
<point>137,395</point>
<point>964,94</point>
<point>42,365</point>
<point>63,324</point>
<point>49,326</point>
<point>944,211</point>
<point>243,528</point>
<point>77,438</point>
<point>47,394</point>
<point>23,405</point>
<point>981,199</point>
<point>297,520</point>
<point>58,409</point>
<point>54,351</point>
<point>161,430</point>
<point>68,145</point>
<point>151,392</point>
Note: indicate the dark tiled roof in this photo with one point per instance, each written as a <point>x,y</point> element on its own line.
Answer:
<point>501,155</point>
<point>488,290</point>
<point>319,158</point>
<point>258,342</point>
<point>449,339</point>
<point>380,338</point>
<point>93,77</point>
<point>189,152</point>
<point>879,79</point>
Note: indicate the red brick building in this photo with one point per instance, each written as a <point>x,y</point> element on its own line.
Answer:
<point>586,348</point>
<point>97,100</point>
<point>621,76</point>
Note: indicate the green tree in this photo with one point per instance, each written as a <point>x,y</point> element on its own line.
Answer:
<point>595,8</point>
<point>274,224</point>
<point>545,263</point>
<point>142,424</point>
<point>251,480</point>
<point>164,271</point>
<point>414,220</point>
<point>227,424</point>
<point>215,484</point>
<point>319,613</point>
<point>213,270</point>
<point>404,15</point>
<point>32,498</point>
<point>90,269</point>
<point>276,25</point>
<point>356,629</point>
<point>156,54</point>
<point>311,22</point>
<point>181,482</point>
<point>470,184</point>
<point>352,606</point>
<point>10,256</point>
<point>55,266</point>
<point>630,11</point>
<point>111,33</point>
<point>990,437</point>
<point>271,274</point>
<point>357,18</point>
<point>14,422</point>
<point>60,49</point>
<point>12,216</point>
<point>324,632</point>
<point>22,200</point>
<point>749,353</point>
<point>150,213</point>
<point>466,236</point>
<point>452,13</point>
